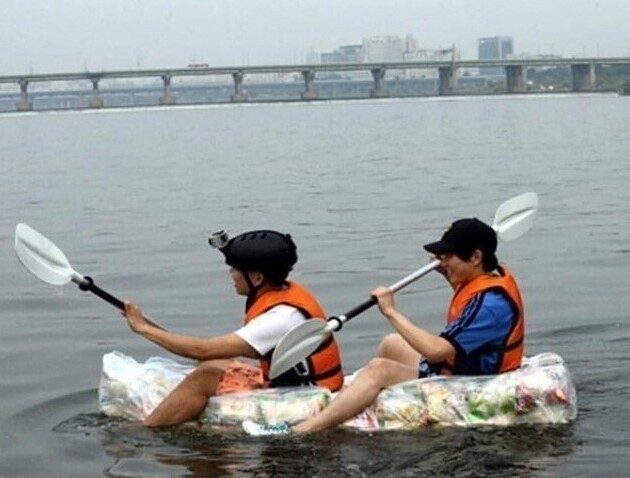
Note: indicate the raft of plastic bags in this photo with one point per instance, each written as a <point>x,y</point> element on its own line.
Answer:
<point>541,391</point>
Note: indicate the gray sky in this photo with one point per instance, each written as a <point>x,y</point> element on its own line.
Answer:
<point>43,36</point>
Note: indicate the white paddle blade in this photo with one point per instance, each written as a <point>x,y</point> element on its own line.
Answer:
<point>297,344</point>
<point>41,257</point>
<point>515,216</point>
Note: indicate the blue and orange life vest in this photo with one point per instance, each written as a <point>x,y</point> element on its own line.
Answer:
<point>322,367</point>
<point>511,352</point>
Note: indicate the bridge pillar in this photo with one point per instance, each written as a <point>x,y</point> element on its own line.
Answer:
<point>239,95</point>
<point>379,90</point>
<point>583,76</point>
<point>448,80</point>
<point>167,98</point>
<point>96,101</point>
<point>516,79</point>
<point>309,92</point>
<point>24,104</point>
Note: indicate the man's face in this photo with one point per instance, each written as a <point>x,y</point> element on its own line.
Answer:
<point>457,271</point>
<point>240,284</point>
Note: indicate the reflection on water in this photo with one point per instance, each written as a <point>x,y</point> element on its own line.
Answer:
<point>189,451</point>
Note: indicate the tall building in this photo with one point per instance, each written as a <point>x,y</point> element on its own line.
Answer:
<point>385,48</point>
<point>411,44</point>
<point>494,48</point>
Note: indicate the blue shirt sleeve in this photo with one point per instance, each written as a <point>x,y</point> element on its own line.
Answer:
<point>486,320</point>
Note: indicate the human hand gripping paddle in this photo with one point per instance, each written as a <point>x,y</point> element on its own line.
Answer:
<point>512,219</point>
<point>47,262</point>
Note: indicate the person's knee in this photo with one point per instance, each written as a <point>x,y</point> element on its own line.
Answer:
<point>207,365</point>
<point>382,372</point>
<point>395,348</point>
<point>389,346</point>
<point>204,379</point>
<point>376,369</point>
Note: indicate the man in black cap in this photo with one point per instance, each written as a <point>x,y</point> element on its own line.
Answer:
<point>483,335</point>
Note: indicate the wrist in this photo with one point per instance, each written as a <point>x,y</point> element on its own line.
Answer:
<point>391,314</point>
<point>143,329</point>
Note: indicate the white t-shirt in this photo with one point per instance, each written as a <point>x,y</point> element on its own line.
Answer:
<point>264,333</point>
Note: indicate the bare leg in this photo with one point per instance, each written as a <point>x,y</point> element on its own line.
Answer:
<point>377,374</point>
<point>188,400</point>
<point>394,347</point>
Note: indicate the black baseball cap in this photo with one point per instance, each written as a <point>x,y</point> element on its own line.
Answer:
<point>465,236</point>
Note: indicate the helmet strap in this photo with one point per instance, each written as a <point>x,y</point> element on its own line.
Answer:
<point>253,290</point>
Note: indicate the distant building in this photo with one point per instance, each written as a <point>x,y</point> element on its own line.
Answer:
<point>385,48</point>
<point>411,44</point>
<point>352,53</point>
<point>494,48</point>
<point>343,54</point>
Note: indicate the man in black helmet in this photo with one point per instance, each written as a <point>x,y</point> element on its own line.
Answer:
<point>260,262</point>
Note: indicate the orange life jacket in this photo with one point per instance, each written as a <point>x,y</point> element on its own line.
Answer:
<point>513,347</point>
<point>322,367</point>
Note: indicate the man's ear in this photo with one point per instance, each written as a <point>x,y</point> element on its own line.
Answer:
<point>477,257</point>
<point>257,278</point>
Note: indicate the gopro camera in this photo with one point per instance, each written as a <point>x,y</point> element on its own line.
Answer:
<point>218,239</point>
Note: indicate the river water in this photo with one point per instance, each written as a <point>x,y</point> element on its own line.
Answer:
<point>131,195</point>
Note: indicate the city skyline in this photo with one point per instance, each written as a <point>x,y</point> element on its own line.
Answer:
<point>78,35</point>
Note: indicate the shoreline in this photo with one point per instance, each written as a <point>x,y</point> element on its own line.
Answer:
<point>268,101</point>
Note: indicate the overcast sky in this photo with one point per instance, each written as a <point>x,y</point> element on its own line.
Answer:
<point>43,36</point>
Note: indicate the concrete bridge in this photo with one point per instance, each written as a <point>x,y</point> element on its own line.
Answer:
<point>582,72</point>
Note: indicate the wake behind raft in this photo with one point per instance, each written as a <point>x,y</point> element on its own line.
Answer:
<point>540,392</point>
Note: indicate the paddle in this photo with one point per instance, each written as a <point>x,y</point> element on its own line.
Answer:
<point>513,219</point>
<point>47,262</point>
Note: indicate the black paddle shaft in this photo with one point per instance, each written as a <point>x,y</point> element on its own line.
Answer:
<point>354,311</point>
<point>88,285</point>
<point>402,283</point>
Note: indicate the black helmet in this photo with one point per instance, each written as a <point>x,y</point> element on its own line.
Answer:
<point>269,252</point>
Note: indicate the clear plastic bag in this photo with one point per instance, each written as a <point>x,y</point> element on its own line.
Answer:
<point>541,391</point>
<point>272,405</point>
<point>132,390</point>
